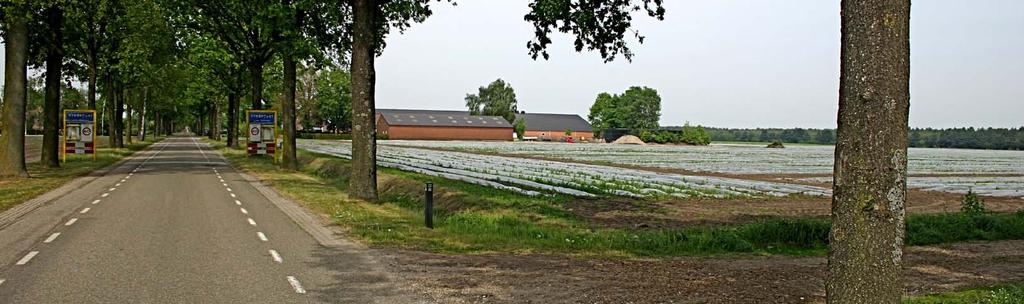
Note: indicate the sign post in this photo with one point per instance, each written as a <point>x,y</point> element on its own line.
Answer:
<point>79,133</point>
<point>262,131</point>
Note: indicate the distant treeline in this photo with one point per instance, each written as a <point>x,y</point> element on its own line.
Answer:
<point>966,138</point>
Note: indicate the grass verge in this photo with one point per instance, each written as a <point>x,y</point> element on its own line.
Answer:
<point>477,219</point>
<point>999,294</point>
<point>14,191</point>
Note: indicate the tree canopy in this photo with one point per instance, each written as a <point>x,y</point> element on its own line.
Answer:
<point>639,108</point>
<point>496,99</point>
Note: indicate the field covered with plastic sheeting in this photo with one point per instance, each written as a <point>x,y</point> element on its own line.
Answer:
<point>1003,186</point>
<point>536,177</point>
<point>739,158</point>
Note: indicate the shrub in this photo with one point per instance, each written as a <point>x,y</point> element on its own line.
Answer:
<point>972,204</point>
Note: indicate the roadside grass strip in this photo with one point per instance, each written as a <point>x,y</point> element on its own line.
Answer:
<point>530,176</point>
<point>15,191</point>
<point>472,218</point>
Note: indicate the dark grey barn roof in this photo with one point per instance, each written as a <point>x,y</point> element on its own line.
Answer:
<point>555,122</point>
<point>431,118</point>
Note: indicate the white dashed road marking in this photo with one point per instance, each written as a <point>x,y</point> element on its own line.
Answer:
<point>52,237</point>
<point>2,281</point>
<point>233,195</point>
<point>112,189</point>
<point>71,222</point>
<point>28,257</point>
<point>263,237</point>
<point>85,210</point>
<point>276,256</point>
<point>229,190</point>
<point>252,222</point>
<point>95,202</point>
<point>296,285</point>
<point>105,195</point>
<point>244,211</point>
<point>237,202</point>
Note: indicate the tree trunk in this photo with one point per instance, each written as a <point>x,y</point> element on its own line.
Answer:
<point>12,137</point>
<point>233,103</point>
<point>111,105</point>
<point>363,183</point>
<point>142,116</point>
<point>868,203</point>
<point>288,161</point>
<point>216,121</point>
<point>256,69</point>
<point>92,83</point>
<point>119,113</point>
<point>128,122</point>
<point>51,105</point>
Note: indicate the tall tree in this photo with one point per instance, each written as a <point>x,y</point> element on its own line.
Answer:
<point>639,108</point>
<point>245,26</point>
<point>602,112</point>
<point>87,23</point>
<point>363,181</point>
<point>496,99</point>
<point>12,123</point>
<point>54,46</point>
<point>599,26</point>
<point>869,191</point>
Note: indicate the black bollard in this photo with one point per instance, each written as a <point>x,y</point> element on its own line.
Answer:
<point>428,208</point>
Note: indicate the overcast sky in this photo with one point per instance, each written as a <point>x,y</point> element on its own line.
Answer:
<point>725,63</point>
<point>733,63</point>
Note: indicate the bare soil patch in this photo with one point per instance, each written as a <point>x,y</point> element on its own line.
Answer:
<point>626,213</point>
<point>499,278</point>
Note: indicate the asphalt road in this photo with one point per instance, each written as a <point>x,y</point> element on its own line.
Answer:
<point>176,224</point>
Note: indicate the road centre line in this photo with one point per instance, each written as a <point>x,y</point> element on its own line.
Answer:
<point>276,256</point>
<point>112,189</point>
<point>263,237</point>
<point>95,202</point>
<point>52,237</point>
<point>117,185</point>
<point>232,194</point>
<point>85,210</point>
<point>252,222</point>
<point>237,202</point>
<point>2,281</point>
<point>71,222</point>
<point>244,211</point>
<point>194,141</point>
<point>296,285</point>
<point>28,257</point>
<point>105,195</point>
<point>229,190</point>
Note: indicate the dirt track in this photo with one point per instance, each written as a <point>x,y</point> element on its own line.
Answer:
<point>496,278</point>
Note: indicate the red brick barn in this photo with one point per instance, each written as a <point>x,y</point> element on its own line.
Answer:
<point>441,125</point>
<point>552,127</point>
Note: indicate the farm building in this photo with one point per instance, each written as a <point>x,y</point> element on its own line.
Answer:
<point>554,127</point>
<point>441,125</point>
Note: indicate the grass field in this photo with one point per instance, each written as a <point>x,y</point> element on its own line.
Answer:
<point>14,191</point>
<point>477,219</point>
<point>999,294</point>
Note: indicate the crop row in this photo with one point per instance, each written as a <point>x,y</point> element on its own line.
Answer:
<point>739,158</point>
<point>535,177</point>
